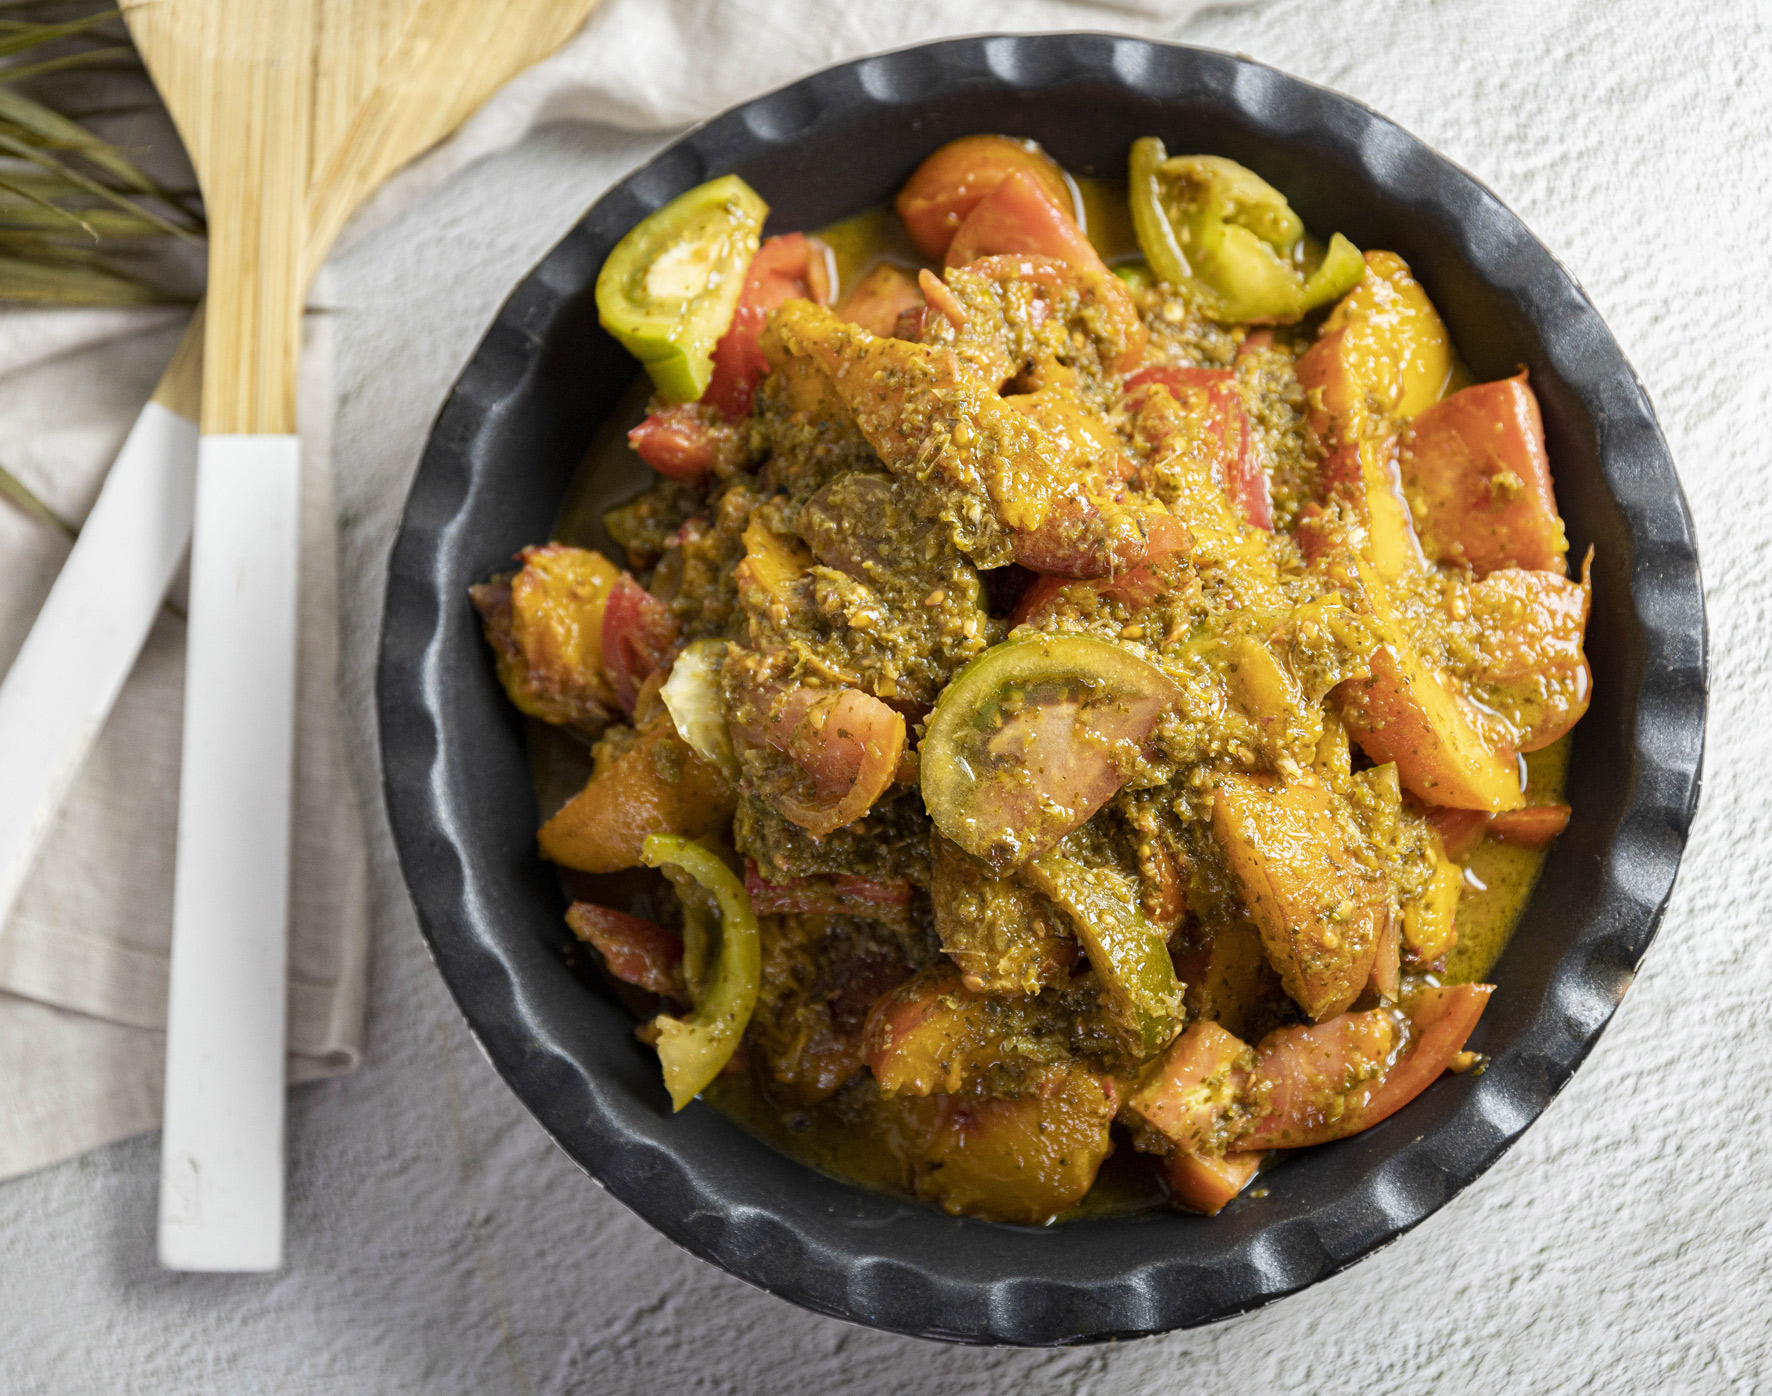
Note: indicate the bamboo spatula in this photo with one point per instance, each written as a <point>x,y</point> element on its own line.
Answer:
<point>60,689</point>
<point>238,81</point>
<point>254,88</point>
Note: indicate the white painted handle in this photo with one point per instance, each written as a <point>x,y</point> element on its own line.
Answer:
<point>85,640</point>
<point>221,1163</point>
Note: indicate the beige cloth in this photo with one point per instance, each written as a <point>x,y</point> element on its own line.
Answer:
<point>83,958</point>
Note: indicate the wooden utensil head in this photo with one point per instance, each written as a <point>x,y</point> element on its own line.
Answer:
<point>449,58</point>
<point>238,79</point>
<point>295,111</point>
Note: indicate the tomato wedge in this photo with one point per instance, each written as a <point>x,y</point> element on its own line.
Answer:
<point>1330,1081</point>
<point>1187,1096</point>
<point>1460,830</point>
<point>1309,1082</point>
<point>1213,393</point>
<point>791,267</point>
<point>847,742</point>
<point>953,181</point>
<point>637,951</point>
<point>1024,1159</point>
<point>880,297</point>
<point>639,638</point>
<point>1533,827</point>
<point>1323,915</point>
<point>1034,736</point>
<point>1020,219</point>
<point>1533,673</point>
<point>1208,1183</point>
<point>1478,481</point>
<point>1165,537</point>
<point>669,289</point>
<point>545,625</point>
<point>676,441</point>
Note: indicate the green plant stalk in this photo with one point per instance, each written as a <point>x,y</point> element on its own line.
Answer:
<point>63,188</point>
<point>21,495</point>
<point>26,500</point>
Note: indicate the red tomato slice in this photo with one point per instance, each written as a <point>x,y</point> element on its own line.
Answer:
<point>1196,1082</point>
<point>1533,669</point>
<point>1317,1084</point>
<point>1307,1080</point>
<point>1225,416</point>
<point>1478,480</point>
<point>910,1033</point>
<point>1440,1022</point>
<point>1533,827</point>
<point>848,743</point>
<point>637,951</point>
<point>954,180</point>
<point>1208,1183</point>
<point>1165,537</point>
<point>785,268</point>
<point>676,441</point>
<point>881,296</point>
<point>639,638</point>
<point>1075,540</point>
<point>1460,830</point>
<point>1255,340</point>
<point>1020,219</point>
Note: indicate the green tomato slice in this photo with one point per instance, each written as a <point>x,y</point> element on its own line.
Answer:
<point>1150,220</point>
<point>1253,281</point>
<point>1128,951</point>
<point>694,1050</point>
<point>1227,236</point>
<point>670,287</point>
<point>1034,736</point>
<point>1341,269</point>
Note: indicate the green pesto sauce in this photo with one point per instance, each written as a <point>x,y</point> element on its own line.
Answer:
<point>860,1151</point>
<point>854,1152</point>
<point>822,1136</point>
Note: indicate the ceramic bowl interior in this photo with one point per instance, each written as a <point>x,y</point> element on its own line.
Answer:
<point>517,426</point>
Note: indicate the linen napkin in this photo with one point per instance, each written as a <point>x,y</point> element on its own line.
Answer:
<point>83,958</point>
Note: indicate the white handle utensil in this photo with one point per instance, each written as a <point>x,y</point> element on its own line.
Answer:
<point>291,113</point>
<point>66,677</point>
<point>221,1198</point>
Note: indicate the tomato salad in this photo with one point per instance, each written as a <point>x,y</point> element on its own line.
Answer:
<point>1054,702</point>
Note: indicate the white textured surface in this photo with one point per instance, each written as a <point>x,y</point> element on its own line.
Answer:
<point>440,1244</point>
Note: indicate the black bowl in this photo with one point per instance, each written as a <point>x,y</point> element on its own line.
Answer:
<point>516,427</point>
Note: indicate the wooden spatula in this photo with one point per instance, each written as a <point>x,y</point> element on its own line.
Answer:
<point>256,89</point>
